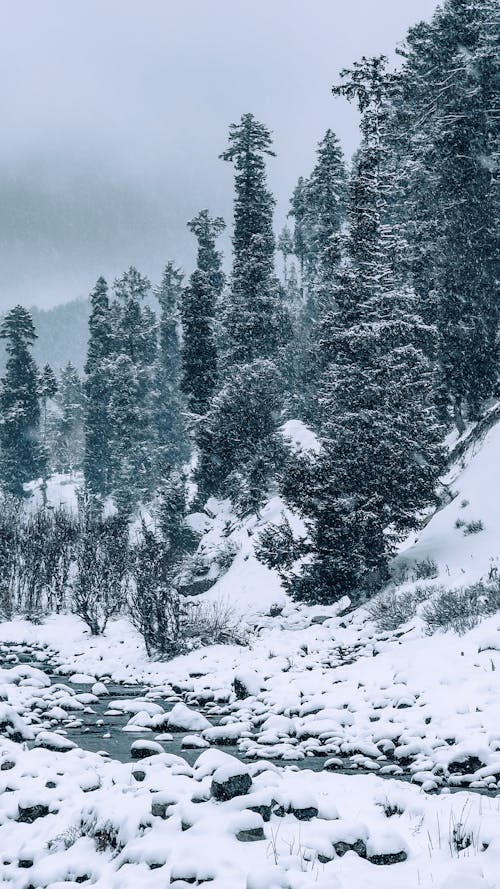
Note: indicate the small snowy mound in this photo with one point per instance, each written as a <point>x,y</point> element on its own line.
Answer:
<point>182,719</point>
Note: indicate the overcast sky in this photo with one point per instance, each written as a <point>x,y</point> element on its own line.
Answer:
<point>114,113</point>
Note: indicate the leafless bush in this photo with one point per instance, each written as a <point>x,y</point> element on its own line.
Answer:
<point>171,624</point>
<point>211,623</point>
<point>425,569</point>
<point>391,609</point>
<point>101,570</point>
<point>10,529</point>
<point>474,527</point>
<point>458,610</point>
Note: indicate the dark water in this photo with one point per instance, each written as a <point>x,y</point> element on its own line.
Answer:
<point>99,732</point>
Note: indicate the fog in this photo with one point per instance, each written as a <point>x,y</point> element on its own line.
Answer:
<point>114,113</point>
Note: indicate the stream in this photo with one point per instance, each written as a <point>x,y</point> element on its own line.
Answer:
<point>98,730</point>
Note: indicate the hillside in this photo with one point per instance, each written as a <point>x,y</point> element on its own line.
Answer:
<point>62,335</point>
<point>376,725</point>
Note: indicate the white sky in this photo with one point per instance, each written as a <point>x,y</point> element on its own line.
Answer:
<point>114,113</point>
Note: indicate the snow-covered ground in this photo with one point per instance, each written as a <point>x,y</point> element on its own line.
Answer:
<point>312,683</point>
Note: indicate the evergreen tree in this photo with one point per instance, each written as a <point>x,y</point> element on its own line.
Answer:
<point>68,426</point>
<point>318,205</point>
<point>237,439</point>
<point>381,450</point>
<point>286,248</point>
<point>255,328</point>
<point>47,390</point>
<point>132,404</point>
<point>302,234</point>
<point>172,446</point>
<point>199,302</point>
<point>255,323</point>
<point>449,151</point>
<point>97,456</point>
<point>125,417</point>
<point>21,458</point>
<point>326,197</point>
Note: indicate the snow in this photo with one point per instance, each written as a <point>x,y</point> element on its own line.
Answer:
<point>300,437</point>
<point>464,558</point>
<point>401,712</point>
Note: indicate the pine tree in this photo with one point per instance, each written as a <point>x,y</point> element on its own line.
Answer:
<point>255,328</point>
<point>381,450</point>
<point>172,445</point>
<point>446,110</point>
<point>125,417</point>
<point>47,390</point>
<point>318,205</point>
<point>68,426</point>
<point>286,248</point>
<point>255,323</point>
<point>237,439</point>
<point>97,457</point>
<point>21,458</point>
<point>199,302</point>
<point>132,404</point>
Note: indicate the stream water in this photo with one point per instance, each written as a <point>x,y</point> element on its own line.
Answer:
<point>99,731</point>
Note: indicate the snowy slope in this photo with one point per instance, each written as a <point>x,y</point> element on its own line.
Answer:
<point>474,483</point>
<point>315,686</point>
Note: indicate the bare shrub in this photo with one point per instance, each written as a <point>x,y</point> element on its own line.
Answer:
<point>492,597</point>
<point>425,569</point>
<point>99,586</point>
<point>459,610</point>
<point>391,609</point>
<point>474,527</point>
<point>211,623</point>
<point>10,530</point>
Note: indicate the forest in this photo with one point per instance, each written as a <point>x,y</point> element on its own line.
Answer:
<point>372,319</point>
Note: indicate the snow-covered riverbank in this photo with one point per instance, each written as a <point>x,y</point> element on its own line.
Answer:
<point>335,688</point>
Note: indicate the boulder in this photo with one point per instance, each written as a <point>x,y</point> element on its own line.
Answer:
<point>229,781</point>
<point>143,749</point>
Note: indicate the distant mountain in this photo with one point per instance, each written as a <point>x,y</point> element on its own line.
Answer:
<point>62,335</point>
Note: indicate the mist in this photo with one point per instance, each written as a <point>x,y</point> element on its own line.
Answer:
<point>114,114</point>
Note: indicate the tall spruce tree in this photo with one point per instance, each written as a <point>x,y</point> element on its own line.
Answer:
<point>21,458</point>
<point>172,445</point>
<point>199,303</point>
<point>47,388</point>
<point>255,323</point>
<point>68,425</point>
<point>255,328</point>
<point>97,456</point>
<point>132,401</point>
<point>381,451</point>
<point>318,206</point>
<point>448,137</point>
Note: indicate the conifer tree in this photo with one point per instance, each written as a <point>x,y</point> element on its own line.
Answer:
<point>286,248</point>
<point>47,390</point>
<point>199,302</point>
<point>255,323</point>
<point>132,403</point>
<point>68,426</point>
<point>448,146</point>
<point>381,450</point>
<point>171,445</point>
<point>125,417</point>
<point>255,328</point>
<point>97,457</point>
<point>318,206</point>
<point>21,458</point>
